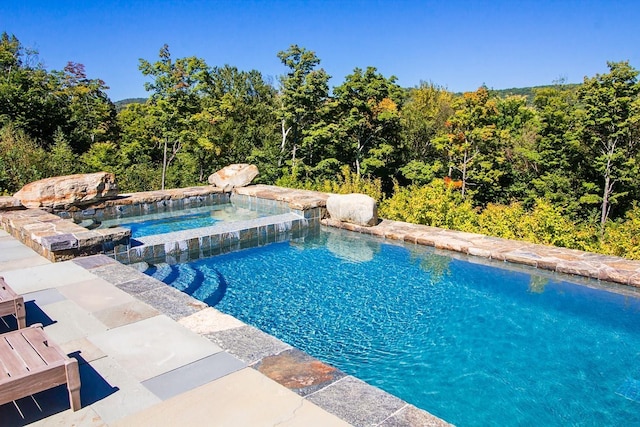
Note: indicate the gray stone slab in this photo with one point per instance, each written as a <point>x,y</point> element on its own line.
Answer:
<point>193,375</point>
<point>118,394</point>
<point>59,242</point>
<point>248,343</point>
<point>125,314</point>
<point>410,416</point>
<point>357,402</point>
<point>17,264</point>
<point>44,297</point>
<point>12,249</point>
<point>70,322</point>
<point>95,295</point>
<point>83,350</point>
<point>117,273</point>
<point>171,302</point>
<point>46,276</point>
<point>153,346</point>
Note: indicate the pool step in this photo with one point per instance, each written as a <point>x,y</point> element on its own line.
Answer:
<point>163,272</point>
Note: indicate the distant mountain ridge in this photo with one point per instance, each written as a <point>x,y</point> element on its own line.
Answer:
<point>123,102</point>
<point>502,93</point>
<point>529,92</point>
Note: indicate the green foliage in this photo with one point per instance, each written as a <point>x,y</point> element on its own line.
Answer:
<point>611,123</point>
<point>554,165</point>
<point>424,117</point>
<point>421,173</point>
<point>21,160</point>
<point>544,224</point>
<point>62,160</point>
<point>345,183</point>
<point>622,237</point>
<point>435,204</point>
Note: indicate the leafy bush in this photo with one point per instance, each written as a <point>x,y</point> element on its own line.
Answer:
<point>622,238</point>
<point>436,204</point>
<point>346,183</point>
<point>21,160</point>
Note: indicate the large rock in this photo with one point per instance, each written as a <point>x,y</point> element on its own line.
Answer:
<point>353,208</point>
<point>232,176</point>
<point>71,190</point>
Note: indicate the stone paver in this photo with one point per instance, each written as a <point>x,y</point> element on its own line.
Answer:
<point>355,401</point>
<point>115,273</point>
<point>70,322</point>
<point>410,416</point>
<point>115,392</point>
<point>210,320</point>
<point>193,375</point>
<point>126,313</point>
<point>95,294</point>
<point>171,302</point>
<point>149,347</point>
<point>46,276</point>
<point>298,371</point>
<point>248,343</point>
<point>244,398</point>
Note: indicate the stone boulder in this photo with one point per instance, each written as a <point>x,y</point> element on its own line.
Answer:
<point>232,176</point>
<point>66,191</point>
<point>357,209</point>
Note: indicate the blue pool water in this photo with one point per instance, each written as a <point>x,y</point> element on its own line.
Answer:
<point>184,219</point>
<point>473,344</point>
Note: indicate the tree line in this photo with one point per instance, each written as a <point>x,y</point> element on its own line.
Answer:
<point>558,166</point>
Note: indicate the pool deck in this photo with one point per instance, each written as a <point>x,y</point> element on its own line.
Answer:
<point>151,355</point>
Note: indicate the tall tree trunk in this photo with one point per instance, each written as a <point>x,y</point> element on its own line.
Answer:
<point>164,163</point>
<point>283,143</point>
<point>464,173</point>
<point>609,150</point>
<point>604,213</point>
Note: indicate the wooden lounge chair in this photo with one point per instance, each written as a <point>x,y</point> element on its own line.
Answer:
<point>30,363</point>
<point>12,303</point>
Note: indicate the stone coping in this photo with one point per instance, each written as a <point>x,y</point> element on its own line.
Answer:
<point>192,244</point>
<point>297,199</point>
<point>58,239</point>
<point>561,260</point>
<point>158,195</point>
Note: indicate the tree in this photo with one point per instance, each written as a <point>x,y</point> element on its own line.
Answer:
<point>367,105</point>
<point>28,93</point>
<point>470,128</point>
<point>611,122</point>
<point>91,116</point>
<point>237,120</point>
<point>424,117</point>
<point>175,99</point>
<point>303,92</point>
<point>558,160</point>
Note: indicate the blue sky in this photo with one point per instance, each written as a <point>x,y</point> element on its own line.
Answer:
<point>457,44</point>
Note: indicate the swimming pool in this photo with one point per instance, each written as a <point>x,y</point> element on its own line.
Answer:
<point>471,343</point>
<point>182,219</point>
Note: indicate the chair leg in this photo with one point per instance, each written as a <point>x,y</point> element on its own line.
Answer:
<point>21,314</point>
<point>73,384</point>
